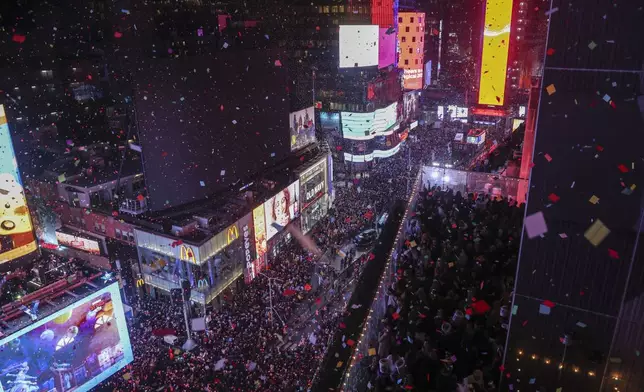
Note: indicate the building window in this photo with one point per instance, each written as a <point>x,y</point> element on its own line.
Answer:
<point>421,39</point>
<point>411,50</point>
<point>416,61</point>
<point>418,29</point>
<point>420,20</point>
<point>400,19</point>
<point>341,9</point>
<point>407,29</point>
<point>334,9</point>
<point>406,62</point>
<point>325,9</point>
<point>411,19</point>
<point>404,39</point>
<point>413,39</point>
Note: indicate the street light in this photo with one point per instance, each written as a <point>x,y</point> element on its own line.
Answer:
<point>270,297</point>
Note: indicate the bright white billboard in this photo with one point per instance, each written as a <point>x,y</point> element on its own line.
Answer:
<point>358,46</point>
<point>281,209</point>
<point>365,126</point>
<point>302,128</point>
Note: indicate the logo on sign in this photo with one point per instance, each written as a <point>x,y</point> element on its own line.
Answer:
<point>312,192</point>
<point>232,234</point>
<point>187,254</point>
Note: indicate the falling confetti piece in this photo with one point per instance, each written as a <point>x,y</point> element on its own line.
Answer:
<point>613,254</point>
<point>535,225</point>
<point>622,168</point>
<point>553,197</point>
<point>548,303</point>
<point>278,63</point>
<point>581,325</point>
<point>550,51</point>
<point>19,38</point>
<point>548,157</point>
<point>596,233</point>
<point>606,98</point>
<point>543,309</point>
<point>594,199</point>
<point>118,34</point>
<point>372,352</point>
<point>552,11</point>
<point>202,183</point>
<point>563,235</point>
<point>61,178</point>
<point>551,89</point>
<point>222,173</point>
<point>592,45</point>
<point>515,309</point>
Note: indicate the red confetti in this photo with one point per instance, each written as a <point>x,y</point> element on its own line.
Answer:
<point>307,287</point>
<point>481,307</point>
<point>221,107</point>
<point>395,316</point>
<point>548,303</point>
<point>581,293</point>
<point>524,323</point>
<point>164,154</point>
<point>342,325</point>
<point>140,197</point>
<point>115,213</point>
<point>599,148</point>
<point>278,63</point>
<point>622,168</point>
<point>613,254</point>
<point>350,342</point>
<point>19,38</point>
<point>550,51</point>
<point>553,198</point>
<point>118,34</point>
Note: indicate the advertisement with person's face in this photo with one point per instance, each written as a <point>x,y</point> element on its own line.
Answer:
<point>313,184</point>
<point>259,225</point>
<point>302,128</point>
<point>281,209</point>
<point>16,235</point>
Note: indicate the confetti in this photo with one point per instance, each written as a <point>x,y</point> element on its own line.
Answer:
<point>622,168</point>
<point>592,45</point>
<point>594,199</point>
<point>581,325</point>
<point>535,225</point>
<point>118,34</point>
<point>613,254</point>
<point>19,38</point>
<point>278,63</point>
<point>550,51</point>
<point>596,233</point>
<point>553,197</point>
<point>563,235</point>
<point>551,89</point>
<point>372,352</point>
<point>543,309</point>
<point>548,157</point>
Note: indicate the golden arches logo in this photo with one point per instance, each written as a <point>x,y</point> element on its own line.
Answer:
<point>140,283</point>
<point>187,254</point>
<point>232,234</point>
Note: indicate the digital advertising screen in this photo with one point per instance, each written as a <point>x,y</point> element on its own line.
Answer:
<point>313,184</point>
<point>386,48</point>
<point>259,226</point>
<point>207,122</point>
<point>375,154</point>
<point>411,32</point>
<point>358,46</point>
<point>428,73</point>
<point>75,242</point>
<point>330,120</point>
<point>365,126</point>
<point>16,231</point>
<point>411,105</point>
<point>281,209</point>
<point>494,57</point>
<point>302,128</point>
<point>73,349</point>
<point>314,213</point>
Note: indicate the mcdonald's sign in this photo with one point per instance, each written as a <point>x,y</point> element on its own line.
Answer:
<point>187,254</point>
<point>140,283</point>
<point>232,234</point>
<point>202,283</point>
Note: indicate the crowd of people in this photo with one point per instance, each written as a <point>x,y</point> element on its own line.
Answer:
<point>243,346</point>
<point>447,310</point>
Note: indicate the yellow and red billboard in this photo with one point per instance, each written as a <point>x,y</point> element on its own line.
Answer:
<point>16,232</point>
<point>494,57</point>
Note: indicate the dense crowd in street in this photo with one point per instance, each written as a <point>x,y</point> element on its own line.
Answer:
<point>444,329</point>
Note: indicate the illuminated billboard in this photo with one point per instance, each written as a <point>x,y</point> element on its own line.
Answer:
<point>73,349</point>
<point>313,184</point>
<point>494,58</point>
<point>428,73</point>
<point>369,157</point>
<point>411,33</point>
<point>386,48</point>
<point>76,242</point>
<point>259,225</point>
<point>358,46</point>
<point>16,232</point>
<point>302,128</point>
<point>252,264</point>
<point>281,209</point>
<point>365,126</point>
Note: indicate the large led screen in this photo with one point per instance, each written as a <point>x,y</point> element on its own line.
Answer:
<point>365,126</point>
<point>76,242</point>
<point>313,184</point>
<point>302,128</point>
<point>16,232</point>
<point>386,48</point>
<point>281,209</point>
<point>73,349</point>
<point>358,46</point>
<point>428,73</point>
<point>494,57</point>
<point>208,122</point>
